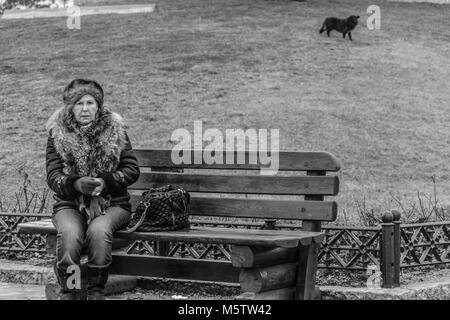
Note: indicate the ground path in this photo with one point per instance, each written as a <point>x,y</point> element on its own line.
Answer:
<point>14,291</point>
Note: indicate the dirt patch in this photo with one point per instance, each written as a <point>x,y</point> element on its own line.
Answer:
<point>358,279</point>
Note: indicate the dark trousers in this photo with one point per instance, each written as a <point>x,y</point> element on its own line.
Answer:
<point>74,233</point>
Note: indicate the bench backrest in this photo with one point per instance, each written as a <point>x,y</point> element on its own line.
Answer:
<point>239,190</point>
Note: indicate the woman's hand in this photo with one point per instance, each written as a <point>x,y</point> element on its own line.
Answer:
<point>96,207</point>
<point>101,185</point>
<point>87,185</point>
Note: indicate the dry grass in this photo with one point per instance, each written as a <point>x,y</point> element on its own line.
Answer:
<point>378,103</point>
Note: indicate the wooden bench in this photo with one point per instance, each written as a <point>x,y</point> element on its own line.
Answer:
<point>268,264</point>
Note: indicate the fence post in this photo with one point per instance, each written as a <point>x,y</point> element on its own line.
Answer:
<point>397,245</point>
<point>387,250</point>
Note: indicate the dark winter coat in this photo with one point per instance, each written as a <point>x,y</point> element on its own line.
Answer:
<point>104,151</point>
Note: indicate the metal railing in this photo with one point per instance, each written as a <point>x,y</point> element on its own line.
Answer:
<point>392,246</point>
<point>12,241</point>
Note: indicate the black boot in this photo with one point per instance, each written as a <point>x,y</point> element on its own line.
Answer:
<point>60,291</point>
<point>97,278</point>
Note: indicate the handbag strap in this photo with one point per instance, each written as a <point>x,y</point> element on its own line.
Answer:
<point>141,220</point>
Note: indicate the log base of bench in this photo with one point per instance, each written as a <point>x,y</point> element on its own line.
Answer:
<point>274,273</point>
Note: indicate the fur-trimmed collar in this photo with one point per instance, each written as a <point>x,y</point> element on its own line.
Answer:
<point>92,151</point>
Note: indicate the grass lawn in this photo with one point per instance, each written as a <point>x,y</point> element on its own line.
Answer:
<point>379,103</point>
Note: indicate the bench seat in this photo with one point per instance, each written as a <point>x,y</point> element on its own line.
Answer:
<point>210,235</point>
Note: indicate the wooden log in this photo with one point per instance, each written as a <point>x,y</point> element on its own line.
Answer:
<point>279,294</point>
<point>269,278</point>
<point>253,257</point>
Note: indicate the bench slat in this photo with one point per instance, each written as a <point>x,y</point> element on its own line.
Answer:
<point>175,268</point>
<point>259,208</point>
<point>290,160</point>
<point>44,226</point>
<point>212,235</point>
<point>242,184</point>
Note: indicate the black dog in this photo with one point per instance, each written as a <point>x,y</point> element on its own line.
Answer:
<point>341,25</point>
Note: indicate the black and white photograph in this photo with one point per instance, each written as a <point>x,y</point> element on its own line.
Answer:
<point>222,155</point>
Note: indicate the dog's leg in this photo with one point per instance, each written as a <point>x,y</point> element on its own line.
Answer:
<point>343,35</point>
<point>328,32</point>
<point>350,36</point>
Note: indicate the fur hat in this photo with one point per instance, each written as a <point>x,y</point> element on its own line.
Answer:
<point>78,88</point>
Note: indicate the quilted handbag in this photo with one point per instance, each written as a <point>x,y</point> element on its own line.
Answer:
<point>161,209</point>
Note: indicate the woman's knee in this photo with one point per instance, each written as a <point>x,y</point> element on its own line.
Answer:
<point>71,235</point>
<point>70,227</point>
<point>99,230</point>
<point>99,238</point>
<point>104,226</point>
<point>69,245</point>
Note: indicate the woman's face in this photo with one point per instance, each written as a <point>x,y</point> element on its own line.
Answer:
<point>85,109</point>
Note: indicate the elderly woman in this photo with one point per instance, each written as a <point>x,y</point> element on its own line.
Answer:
<point>90,164</point>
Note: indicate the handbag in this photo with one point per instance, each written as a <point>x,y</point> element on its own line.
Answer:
<point>161,209</point>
